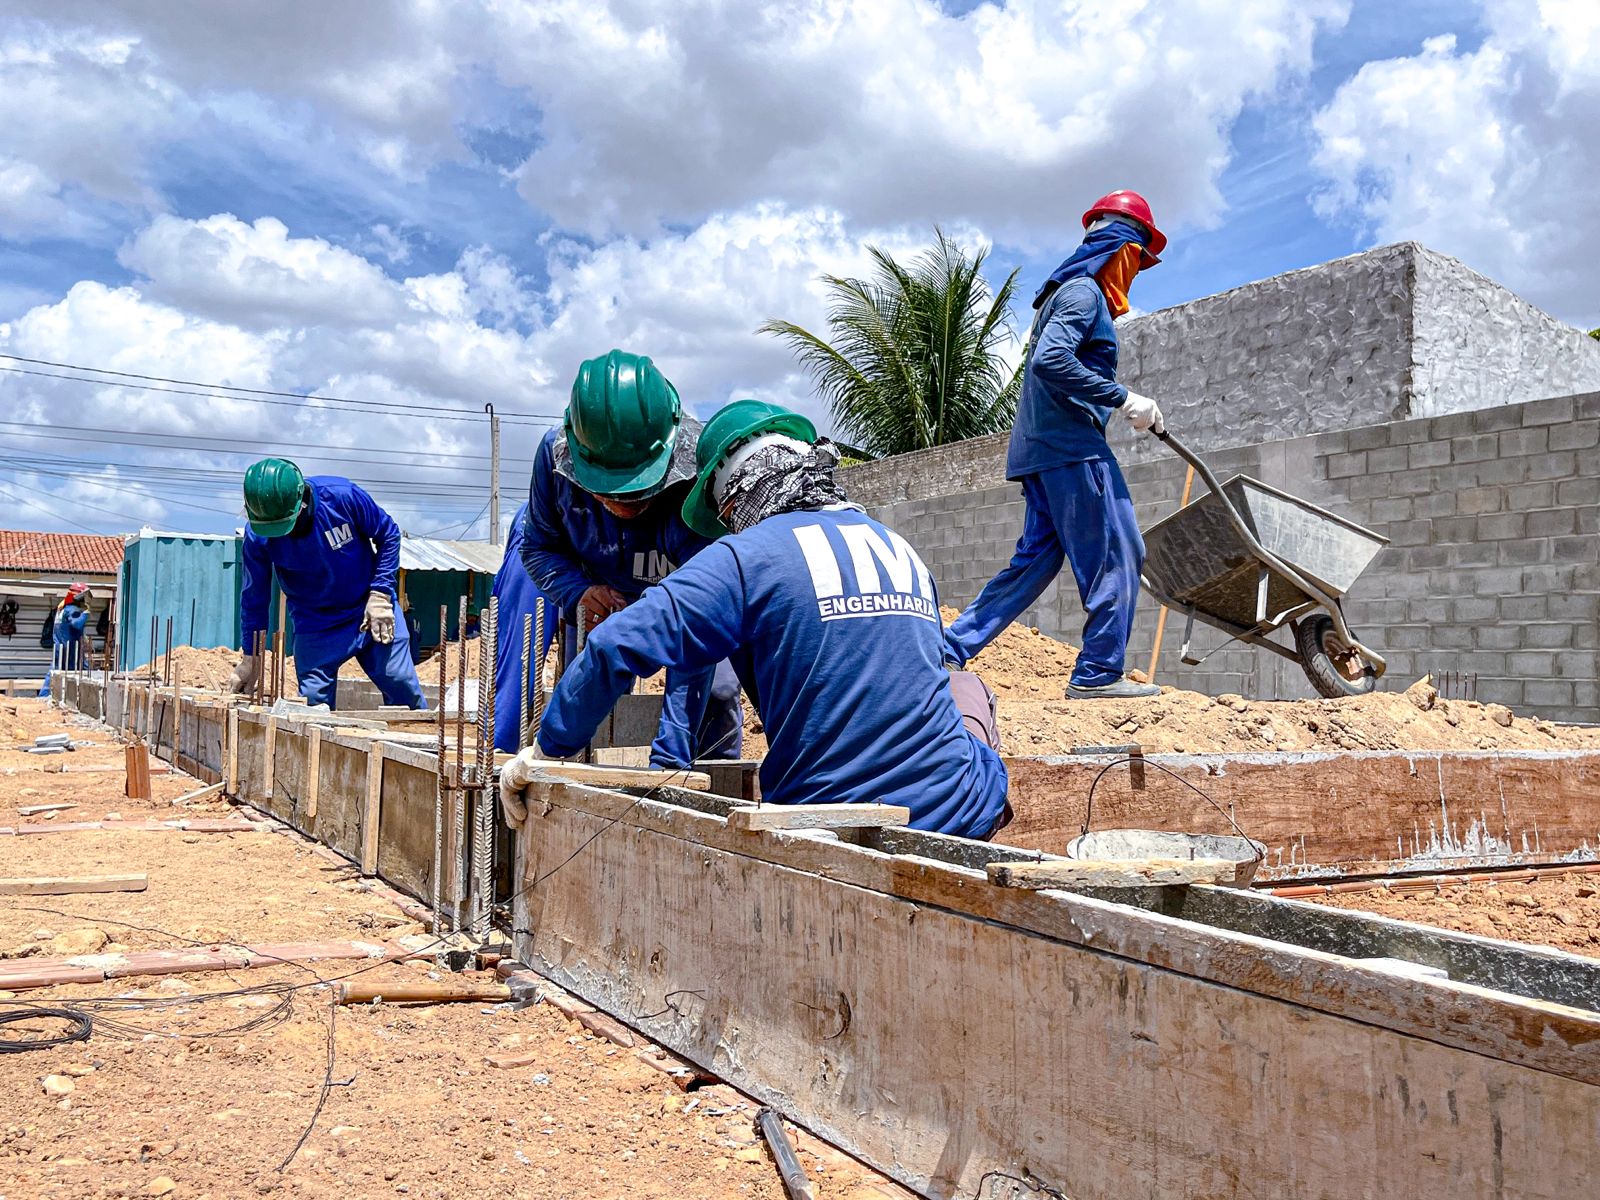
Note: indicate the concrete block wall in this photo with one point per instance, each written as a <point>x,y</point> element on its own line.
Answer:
<point>1392,333</point>
<point>1493,567</point>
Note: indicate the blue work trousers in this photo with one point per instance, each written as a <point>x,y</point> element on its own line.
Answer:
<point>1079,513</point>
<point>319,655</point>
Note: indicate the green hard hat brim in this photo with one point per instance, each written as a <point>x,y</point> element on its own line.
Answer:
<point>272,529</point>
<point>624,482</point>
<point>700,506</point>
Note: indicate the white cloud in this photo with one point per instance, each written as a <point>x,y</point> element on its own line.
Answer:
<point>890,110</point>
<point>1487,154</point>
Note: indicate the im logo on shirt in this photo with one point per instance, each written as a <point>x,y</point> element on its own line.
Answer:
<point>876,576</point>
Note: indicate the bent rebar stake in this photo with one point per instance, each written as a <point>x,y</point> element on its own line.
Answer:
<point>482,775</point>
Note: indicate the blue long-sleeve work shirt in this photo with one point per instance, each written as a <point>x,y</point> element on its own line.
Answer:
<point>70,623</point>
<point>832,622</point>
<point>519,597</point>
<point>351,548</point>
<point>1069,385</point>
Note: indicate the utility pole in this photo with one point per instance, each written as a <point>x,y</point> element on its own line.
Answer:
<point>494,475</point>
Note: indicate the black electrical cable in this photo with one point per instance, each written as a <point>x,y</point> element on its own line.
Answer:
<point>80,1027</point>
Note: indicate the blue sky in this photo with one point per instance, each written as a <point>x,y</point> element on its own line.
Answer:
<point>414,208</point>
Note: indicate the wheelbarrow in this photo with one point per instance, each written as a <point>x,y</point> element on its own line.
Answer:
<point>1249,560</point>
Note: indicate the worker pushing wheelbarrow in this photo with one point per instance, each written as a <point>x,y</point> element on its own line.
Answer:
<point>1249,560</point>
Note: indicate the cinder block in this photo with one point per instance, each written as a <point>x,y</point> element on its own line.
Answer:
<point>1546,578</point>
<point>1410,533</point>
<point>1413,483</point>
<point>1369,487</point>
<point>1405,637</point>
<point>1489,420</point>
<point>1532,664</point>
<point>1473,554</point>
<point>1588,519</point>
<point>1469,610</point>
<point>1409,433</point>
<point>1480,500</point>
<point>1342,466</point>
<point>1552,522</point>
<point>1524,608</point>
<point>1497,637</point>
<point>1438,503</point>
<point>1428,558</point>
<point>1522,552</point>
<point>1582,548</point>
<point>1548,412</point>
<point>1474,448</point>
<point>1387,460</point>
<point>1429,611</point>
<point>1555,464</point>
<point>1451,637</point>
<point>1396,508</point>
<point>1547,693</point>
<point>1500,581</point>
<point>1496,527</point>
<point>1521,497</point>
<point>1454,529</point>
<point>1581,607</point>
<point>1428,454</point>
<point>1578,491</point>
<point>1502,470</point>
<point>1453,425</point>
<point>1575,435</point>
<point>1586,405</point>
<point>1368,437</point>
<point>1548,636</point>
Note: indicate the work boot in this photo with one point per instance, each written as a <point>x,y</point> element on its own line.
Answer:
<point>1122,689</point>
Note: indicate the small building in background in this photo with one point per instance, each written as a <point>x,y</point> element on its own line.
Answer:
<point>35,569</point>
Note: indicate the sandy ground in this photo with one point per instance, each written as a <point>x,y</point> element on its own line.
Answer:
<point>188,1106</point>
<point>1559,910</point>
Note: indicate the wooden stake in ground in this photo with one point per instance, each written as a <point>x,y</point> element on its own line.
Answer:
<point>136,758</point>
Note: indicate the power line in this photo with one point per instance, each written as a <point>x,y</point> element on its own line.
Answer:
<point>47,511</point>
<point>388,408</point>
<point>228,387</point>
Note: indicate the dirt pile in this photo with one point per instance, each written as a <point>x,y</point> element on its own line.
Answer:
<point>213,669</point>
<point>1029,672</point>
<point>1561,911</point>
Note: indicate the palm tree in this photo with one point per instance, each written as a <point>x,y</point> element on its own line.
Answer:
<point>916,358</point>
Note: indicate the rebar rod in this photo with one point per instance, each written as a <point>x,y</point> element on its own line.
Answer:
<point>541,623</point>
<point>483,799</point>
<point>438,781</point>
<point>459,808</point>
<point>523,715</point>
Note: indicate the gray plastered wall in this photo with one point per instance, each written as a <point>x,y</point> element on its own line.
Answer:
<point>1493,570</point>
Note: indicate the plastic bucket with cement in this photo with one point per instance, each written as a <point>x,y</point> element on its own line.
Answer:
<point>1142,845</point>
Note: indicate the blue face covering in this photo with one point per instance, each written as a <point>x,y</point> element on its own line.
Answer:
<point>1093,253</point>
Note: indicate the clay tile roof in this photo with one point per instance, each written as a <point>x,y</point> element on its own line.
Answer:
<point>69,553</point>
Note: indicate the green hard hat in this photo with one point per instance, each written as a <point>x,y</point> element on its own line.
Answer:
<point>732,424</point>
<point>274,491</point>
<point>621,425</point>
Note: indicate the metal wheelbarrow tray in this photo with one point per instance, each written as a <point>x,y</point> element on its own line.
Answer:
<point>1249,559</point>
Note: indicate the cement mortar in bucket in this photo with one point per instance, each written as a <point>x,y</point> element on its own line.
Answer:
<point>1146,845</point>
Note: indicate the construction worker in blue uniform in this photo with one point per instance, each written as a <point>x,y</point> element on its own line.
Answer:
<point>66,636</point>
<point>604,527</point>
<point>831,621</point>
<point>336,554</point>
<point>1078,509</point>
<point>519,597</point>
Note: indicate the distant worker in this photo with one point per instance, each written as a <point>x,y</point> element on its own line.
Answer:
<point>604,527</point>
<point>66,637</point>
<point>519,597</point>
<point>832,623</point>
<point>1077,505</point>
<point>336,554</point>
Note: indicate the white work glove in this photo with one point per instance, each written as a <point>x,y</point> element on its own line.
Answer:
<point>514,778</point>
<point>379,617</point>
<point>244,675</point>
<point>1143,413</point>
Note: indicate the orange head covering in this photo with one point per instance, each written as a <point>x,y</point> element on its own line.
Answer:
<point>1116,277</point>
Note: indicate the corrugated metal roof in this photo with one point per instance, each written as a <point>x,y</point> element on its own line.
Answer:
<point>82,553</point>
<point>441,554</point>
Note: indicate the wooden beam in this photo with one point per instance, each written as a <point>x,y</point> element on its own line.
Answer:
<point>372,812</point>
<point>621,777</point>
<point>29,810</point>
<point>818,816</point>
<point>313,771</point>
<point>231,750</point>
<point>1081,873</point>
<point>269,758</point>
<point>64,885</point>
<point>211,789</point>
<point>136,762</point>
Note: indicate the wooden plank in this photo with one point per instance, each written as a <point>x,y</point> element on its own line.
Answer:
<point>812,993</point>
<point>64,885</point>
<point>621,777</point>
<point>30,810</point>
<point>818,816</point>
<point>1487,1020</point>
<point>269,758</point>
<point>1078,873</point>
<point>211,789</point>
<point>136,763</point>
<point>232,751</point>
<point>372,812</point>
<point>313,771</point>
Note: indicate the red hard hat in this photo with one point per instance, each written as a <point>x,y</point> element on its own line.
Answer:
<point>74,590</point>
<point>1130,204</point>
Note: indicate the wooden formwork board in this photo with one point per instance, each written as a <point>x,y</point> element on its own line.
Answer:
<point>1373,812</point>
<point>943,1029</point>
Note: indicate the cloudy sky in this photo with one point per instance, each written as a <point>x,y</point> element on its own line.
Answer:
<point>414,208</point>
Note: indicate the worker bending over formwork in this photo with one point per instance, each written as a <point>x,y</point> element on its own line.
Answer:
<point>831,621</point>
<point>604,527</point>
<point>336,554</point>
<point>1078,508</point>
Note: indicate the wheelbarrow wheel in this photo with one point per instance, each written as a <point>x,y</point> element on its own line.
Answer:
<point>1334,669</point>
